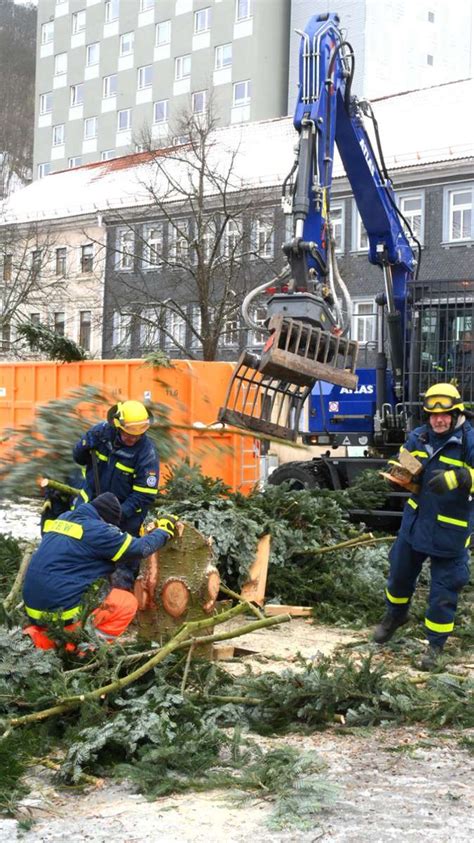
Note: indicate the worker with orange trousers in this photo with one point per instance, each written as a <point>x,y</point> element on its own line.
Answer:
<point>79,548</point>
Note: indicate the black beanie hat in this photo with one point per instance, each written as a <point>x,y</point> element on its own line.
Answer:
<point>108,507</point>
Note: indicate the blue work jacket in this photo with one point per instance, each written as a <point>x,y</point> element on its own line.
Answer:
<point>129,472</point>
<point>77,549</point>
<point>440,525</point>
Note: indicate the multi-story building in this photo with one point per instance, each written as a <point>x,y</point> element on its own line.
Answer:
<point>110,73</point>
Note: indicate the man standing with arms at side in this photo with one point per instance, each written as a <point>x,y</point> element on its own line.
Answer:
<point>437,522</point>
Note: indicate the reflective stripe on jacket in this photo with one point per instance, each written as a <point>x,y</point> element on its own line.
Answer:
<point>440,525</point>
<point>129,472</point>
<point>77,549</point>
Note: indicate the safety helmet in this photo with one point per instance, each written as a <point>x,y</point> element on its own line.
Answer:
<point>442,398</point>
<point>131,416</point>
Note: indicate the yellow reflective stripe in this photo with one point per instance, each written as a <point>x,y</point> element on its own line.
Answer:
<point>84,495</point>
<point>123,467</point>
<point>396,599</point>
<point>65,528</point>
<point>37,614</point>
<point>145,489</point>
<point>101,456</point>
<point>412,503</point>
<point>83,470</point>
<point>451,461</point>
<point>468,541</point>
<point>439,627</point>
<point>451,480</point>
<point>393,462</point>
<point>122,548</point>
<point>455,521</point>
<point>419,453</point>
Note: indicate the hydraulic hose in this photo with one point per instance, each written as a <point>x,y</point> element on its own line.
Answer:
<point>255,326</point>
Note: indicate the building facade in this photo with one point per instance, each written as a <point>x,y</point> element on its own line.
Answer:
<point>110,74</point>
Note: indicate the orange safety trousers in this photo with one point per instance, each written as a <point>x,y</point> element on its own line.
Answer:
<point>110,619</point>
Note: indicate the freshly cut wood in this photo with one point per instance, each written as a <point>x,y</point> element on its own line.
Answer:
<point>294,611</point>
<point>410,462</point>
<point>175,596</point>
<point>222,652</point>
<point>254,589</point>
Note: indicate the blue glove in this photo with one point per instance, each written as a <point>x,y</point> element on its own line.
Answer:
<point>93,438</point>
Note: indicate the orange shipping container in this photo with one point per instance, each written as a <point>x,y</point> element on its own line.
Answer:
<point>193,390</point>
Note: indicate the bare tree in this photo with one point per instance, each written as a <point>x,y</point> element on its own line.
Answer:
<point>201,243</point>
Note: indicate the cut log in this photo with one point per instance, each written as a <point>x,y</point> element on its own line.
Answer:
<point>294,611</point>
<point>254,589</point>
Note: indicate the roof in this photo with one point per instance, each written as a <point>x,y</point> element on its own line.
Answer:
<point>420,127</point>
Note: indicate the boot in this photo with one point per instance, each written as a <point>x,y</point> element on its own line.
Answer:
<point>387,626</point>
<point>430,659</point>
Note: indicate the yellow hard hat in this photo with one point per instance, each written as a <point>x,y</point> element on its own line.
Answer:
<point>442,398</point>
<point>132,417</point>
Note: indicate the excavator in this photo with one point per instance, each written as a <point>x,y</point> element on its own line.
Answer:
<point>309,359</point>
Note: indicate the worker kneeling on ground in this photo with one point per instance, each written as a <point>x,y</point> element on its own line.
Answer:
<point>77,549</point>
<point>117,456</point>
<point>438,520</point>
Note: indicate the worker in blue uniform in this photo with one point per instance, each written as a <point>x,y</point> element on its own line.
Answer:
<point>79,548</point>
<point>117,456</point>
<point>437,522</point>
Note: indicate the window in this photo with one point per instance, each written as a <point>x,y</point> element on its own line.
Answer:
<point>78,21</point>
<point>364,320</point>
<point>360,238</point>
<point>153,246</point>
<point>146,4</point>
<point>92,54</point>
<point>90,128</point>
<point>459,212</point>
<point>163,33</point>
<point>6,336</point>
<point>121,324</point>
<point>149,329</point>
<point>232,237</point>
<point>74,162</point>
<point>61,261</point>
<point>230,331</point>
<point>85,322</point>
<point>58,134</point>
<point>182,67</point>
<point>259,337</point>
<point>47,32</point>
<point>124,119</point>
<point>145,77</point>
<point>179,140</point>
<point>243,9</point>
<point>126,43</point>
<point>44,170</point>
<point>199,102</point>
<point>411,206</point>
<point>160,111</point>
<point>126,246</point>
<point>208,239</point>
<point>202,20</point>
<point>59,323</point>
<point>175,329</point>
<point>77,94</point>
<point>60,64</point>
<point>35,318</point>
<point>337,222</point>
<point>178,241</point>
<point>223,56</point>
<point>111,10</point>
<point>7,267</point>
<point>431,17</point>
<point>429,60</point>
<point>107,154</point>
<point>241,93</point>
<point>110,85</point>
<point>263,237</point>
<point>46,103</point>
<point>87,258</point>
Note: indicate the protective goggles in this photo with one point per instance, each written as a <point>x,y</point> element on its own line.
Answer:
<point>135,428</point>
<point>440,402</point>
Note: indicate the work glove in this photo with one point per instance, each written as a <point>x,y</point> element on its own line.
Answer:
<point>456,478</point>
<point>167,524</point>
<point>93,438</point>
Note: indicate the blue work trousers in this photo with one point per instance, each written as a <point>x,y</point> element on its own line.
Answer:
<point>448,577</point>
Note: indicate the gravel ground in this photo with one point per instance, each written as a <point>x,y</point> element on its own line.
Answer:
<point>392,783</point>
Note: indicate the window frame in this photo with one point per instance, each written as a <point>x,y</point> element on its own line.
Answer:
<point>358,317</point>
<point>179,63</point>
<point>88,48</point>
<point>41,171</point>
<point>47,28</point>
<point>142,83</point>
<point>104,156</point>
<point>207,21</point>
<point>178,241</point>
<point>110,5</point>
<point>129,122</point>
<point>43,100</point>
<point>340,205</point>
<point>72,162</point>
<point>147,263</point>
<point>222,65</point>
<point>131,36</point>
<point>56,57</point>
<point>358,232</point>
<point>149,329</point>
<point>147,8</point>
<point>87,121</point>
<point>448,207</point>
<point>87,258</point>
<point>248,98</point>
<point>204,101</point>
<point>61,262</point>
<point>123,329</point>
<point>241,17</point>
<point>404,195</point>
<point>104,86</point>
<point>125,259</point>
<point>161,23</point>
<point>7,267</point>
<point>165,118</point>
<point>229,242</point>
<point>85,326</point>
<point>60,142</point>
<point>171,316</point>
<point>73,102</point>
<point>59,323</point>
<point>77,17</point>
<point>265,220</point>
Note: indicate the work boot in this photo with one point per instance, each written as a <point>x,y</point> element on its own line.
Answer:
<point>387,626</point>
<point>430,659</point>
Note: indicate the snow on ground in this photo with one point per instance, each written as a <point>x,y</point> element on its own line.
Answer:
<point>20,520</point>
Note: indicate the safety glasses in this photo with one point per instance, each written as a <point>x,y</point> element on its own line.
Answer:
<point>439,402</point>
